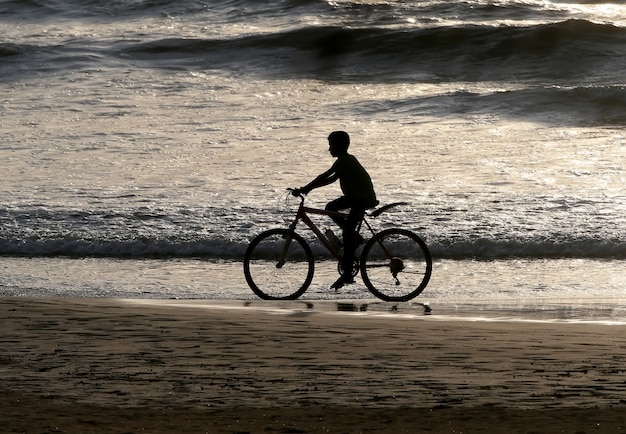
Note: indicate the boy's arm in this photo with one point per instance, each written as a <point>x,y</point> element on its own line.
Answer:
<point>325,178</point>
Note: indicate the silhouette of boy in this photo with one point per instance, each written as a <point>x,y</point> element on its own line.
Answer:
<point>358,195</point>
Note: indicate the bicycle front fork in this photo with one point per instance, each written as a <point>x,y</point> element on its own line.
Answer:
<point>283,253</point>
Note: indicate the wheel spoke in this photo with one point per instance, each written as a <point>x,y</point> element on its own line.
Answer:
<point>396,265</point>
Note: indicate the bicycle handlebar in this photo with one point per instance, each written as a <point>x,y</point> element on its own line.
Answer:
<point>295,192</point>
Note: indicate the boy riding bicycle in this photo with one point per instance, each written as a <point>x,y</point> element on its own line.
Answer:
<point>359,195</point>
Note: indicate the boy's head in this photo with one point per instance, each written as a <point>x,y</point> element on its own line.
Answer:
<point>339,142</point>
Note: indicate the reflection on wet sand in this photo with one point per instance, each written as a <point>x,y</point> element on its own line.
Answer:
<point>347,306</point>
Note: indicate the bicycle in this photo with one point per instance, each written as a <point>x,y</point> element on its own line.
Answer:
<point>395,263</point>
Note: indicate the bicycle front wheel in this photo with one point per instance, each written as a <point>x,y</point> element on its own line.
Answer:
<point>396,265</point>
<point>278,265</point>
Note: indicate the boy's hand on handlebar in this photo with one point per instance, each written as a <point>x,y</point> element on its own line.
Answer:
<point>298,192</point>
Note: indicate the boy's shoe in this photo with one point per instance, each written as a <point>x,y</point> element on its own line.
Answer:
<point>343,280</point>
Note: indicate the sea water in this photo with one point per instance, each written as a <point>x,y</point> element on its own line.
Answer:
<point>145,143</point>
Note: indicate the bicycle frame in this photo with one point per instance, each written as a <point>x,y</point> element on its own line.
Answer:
<point>303,215</point>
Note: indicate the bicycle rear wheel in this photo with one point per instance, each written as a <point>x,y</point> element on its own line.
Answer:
<point>396,265</point>
<point>273,279</point>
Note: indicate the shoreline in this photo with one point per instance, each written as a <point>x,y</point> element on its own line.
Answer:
<point>227,367</point>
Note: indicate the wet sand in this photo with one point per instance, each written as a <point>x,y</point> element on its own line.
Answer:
<point>102,365</point>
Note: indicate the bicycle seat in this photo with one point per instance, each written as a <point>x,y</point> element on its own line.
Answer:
<point>382,209</point>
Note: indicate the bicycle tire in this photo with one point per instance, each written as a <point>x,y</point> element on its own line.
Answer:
<point>266,278</point>
<point>396,265</point>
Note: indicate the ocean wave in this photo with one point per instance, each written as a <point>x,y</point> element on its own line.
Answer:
<point>203,232</point>
<point>491,249</point>
<point>578,105</point>
<point>590,105</point>
<point>249,10</point>
<point>140,248</point>
<point>387,54</point>
<point>8,50</point>
<point>226,248</point>
<point>549,50</point>
<point>88,9</point>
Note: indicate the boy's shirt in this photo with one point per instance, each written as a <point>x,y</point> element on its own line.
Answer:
<point>355,182</point>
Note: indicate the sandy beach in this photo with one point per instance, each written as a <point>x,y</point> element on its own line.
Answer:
<point>103,365</point>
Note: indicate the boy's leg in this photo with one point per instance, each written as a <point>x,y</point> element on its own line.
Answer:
<point>337,205</point>
<point>348,226</point>
<point>354,217</point>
